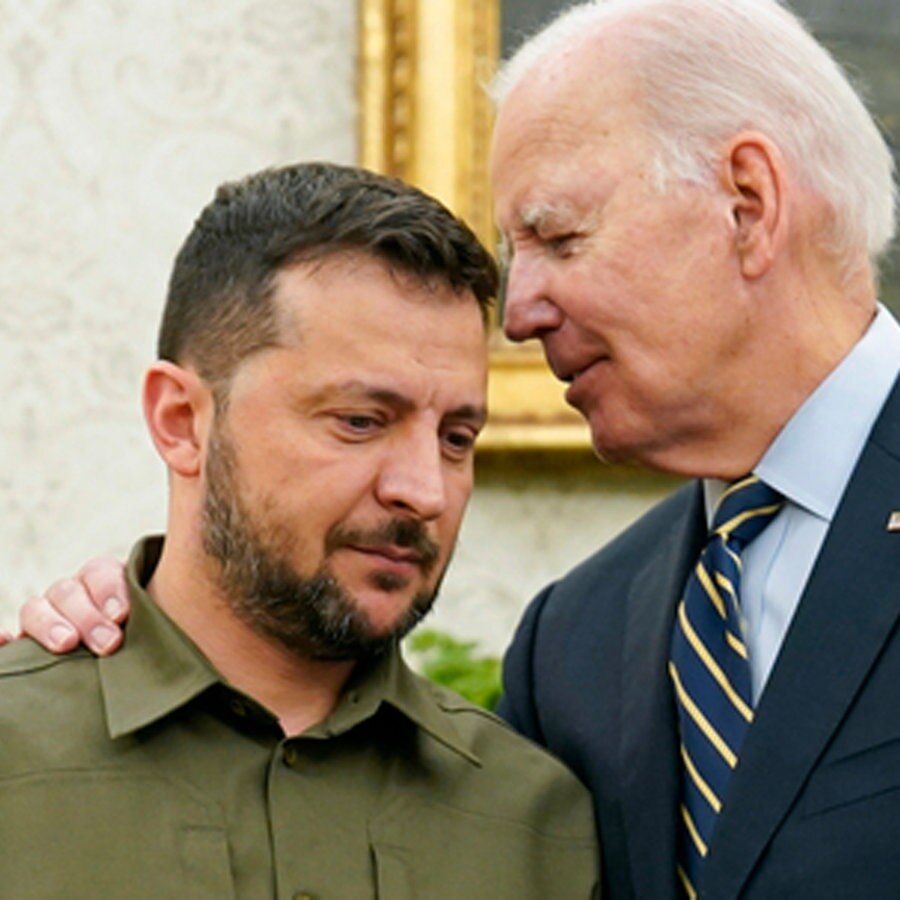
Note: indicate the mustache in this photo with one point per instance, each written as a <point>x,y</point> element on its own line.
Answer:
<point>409,534</point>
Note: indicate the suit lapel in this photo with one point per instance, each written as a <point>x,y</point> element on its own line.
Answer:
<point>852,591</point>
<point>649,748</point>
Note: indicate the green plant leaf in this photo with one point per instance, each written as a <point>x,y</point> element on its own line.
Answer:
<point>457,665</point>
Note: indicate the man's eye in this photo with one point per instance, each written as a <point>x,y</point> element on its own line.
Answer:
<point>561,243</point>
<point>460,442</point>
<point>359,421</point>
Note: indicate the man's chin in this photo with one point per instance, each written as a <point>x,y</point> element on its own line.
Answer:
<point>339,615</point>
<point>609,445</point>
<point>388,611</point>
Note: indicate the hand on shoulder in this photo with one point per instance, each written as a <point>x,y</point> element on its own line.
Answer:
<point>86,609</point>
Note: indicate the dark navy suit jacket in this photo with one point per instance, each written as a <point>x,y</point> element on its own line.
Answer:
<point>813,809</point>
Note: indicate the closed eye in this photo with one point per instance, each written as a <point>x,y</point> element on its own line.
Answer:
<point>561,244</point>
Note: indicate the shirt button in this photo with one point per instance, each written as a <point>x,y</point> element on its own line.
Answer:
<point>291,758</point>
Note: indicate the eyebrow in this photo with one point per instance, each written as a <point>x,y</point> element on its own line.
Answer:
<point>477,415</point>
<point>540,215</point>
<point>362,390</point>
<point>535,218</point>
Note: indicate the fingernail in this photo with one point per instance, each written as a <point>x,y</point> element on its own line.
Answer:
<point>102,637</point>
<point>60,634</point>
<point>113,607</point>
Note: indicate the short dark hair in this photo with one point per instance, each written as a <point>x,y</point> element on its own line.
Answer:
<point>219,308</point>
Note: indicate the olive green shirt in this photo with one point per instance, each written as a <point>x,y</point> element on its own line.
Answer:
<point>143,774</point>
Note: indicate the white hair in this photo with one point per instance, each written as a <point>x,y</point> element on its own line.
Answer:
<point>709,69</point>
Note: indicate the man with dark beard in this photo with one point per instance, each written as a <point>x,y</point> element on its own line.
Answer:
<point>320,384</point>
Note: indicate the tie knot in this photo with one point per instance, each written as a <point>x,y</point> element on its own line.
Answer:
<point>744,510</point>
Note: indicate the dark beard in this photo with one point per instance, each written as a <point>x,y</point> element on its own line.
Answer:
<point>314,617</point>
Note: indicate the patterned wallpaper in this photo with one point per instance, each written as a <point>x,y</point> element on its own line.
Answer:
<point>117,120</point>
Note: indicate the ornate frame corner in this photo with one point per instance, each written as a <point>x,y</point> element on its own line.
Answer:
<point>527,410</point>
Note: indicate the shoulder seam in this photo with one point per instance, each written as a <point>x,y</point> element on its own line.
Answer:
<point>13,669</point>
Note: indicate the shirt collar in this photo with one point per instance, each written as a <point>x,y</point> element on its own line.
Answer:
<point>159,670</point>
<point>389,682</point>
<point>813,456</point>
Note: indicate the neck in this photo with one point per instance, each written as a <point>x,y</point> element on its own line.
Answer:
<point>299,692</point>
<point>784,358</point>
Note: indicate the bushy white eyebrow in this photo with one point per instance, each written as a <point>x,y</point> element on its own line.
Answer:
<point>539,218</point>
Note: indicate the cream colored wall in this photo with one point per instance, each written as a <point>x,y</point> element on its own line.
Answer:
<point>117,119</point>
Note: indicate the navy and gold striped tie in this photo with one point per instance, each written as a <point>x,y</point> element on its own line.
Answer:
<point>709,668</point>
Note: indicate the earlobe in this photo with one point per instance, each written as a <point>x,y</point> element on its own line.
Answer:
<point>176,405</point>
<point>753,179</point>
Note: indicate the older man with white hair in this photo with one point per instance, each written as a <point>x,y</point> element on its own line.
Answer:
<point>693,201</point>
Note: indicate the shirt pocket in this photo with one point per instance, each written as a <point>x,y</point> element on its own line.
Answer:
<point>78,833</point>
<point>863,775</point>
<point>444,853</point>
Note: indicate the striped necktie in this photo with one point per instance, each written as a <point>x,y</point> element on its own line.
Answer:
<point>709,668</point>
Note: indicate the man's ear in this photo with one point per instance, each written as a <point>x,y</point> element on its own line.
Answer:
<point>752,174</point>
<point>178,409</point>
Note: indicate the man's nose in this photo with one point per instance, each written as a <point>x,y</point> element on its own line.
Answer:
<point>528,311</point>
<point>412,479</point>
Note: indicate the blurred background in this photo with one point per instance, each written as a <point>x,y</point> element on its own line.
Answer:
<point>117,120</point>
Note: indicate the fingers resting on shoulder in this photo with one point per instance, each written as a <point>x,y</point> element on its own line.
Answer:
<point>87,609</point>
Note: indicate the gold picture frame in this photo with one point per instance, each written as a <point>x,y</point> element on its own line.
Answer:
<point>425,117</point>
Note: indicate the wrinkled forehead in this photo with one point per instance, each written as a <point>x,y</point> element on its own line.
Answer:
<point>364,280</point>
<point>360,306</point>
<point>354,321</point>
<point>551,144</point>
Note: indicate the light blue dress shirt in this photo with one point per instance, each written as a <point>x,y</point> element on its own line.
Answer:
<point>810,463</point>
